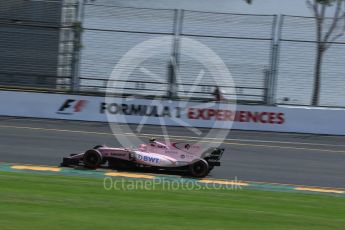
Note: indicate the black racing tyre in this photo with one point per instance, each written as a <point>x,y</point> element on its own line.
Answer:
<point>97,147</point>
<point>92,159</point>
<point>199,169</point>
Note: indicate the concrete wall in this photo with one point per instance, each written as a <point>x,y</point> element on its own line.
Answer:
<point>173,113</point>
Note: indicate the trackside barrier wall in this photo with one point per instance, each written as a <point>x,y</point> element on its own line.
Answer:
<point>173,113</point>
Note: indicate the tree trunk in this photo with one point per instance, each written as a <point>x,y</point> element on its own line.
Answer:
<point>317,75</point>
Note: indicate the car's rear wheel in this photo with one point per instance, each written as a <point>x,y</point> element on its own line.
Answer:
<point>92,159</point>
<point>199,168</point>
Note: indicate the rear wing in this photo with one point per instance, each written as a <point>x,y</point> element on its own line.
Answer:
<point>215,156</point>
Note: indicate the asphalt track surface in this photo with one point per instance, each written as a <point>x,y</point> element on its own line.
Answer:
<point>302,159</point>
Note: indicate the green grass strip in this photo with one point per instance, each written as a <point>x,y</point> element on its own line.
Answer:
<point>36,201</point>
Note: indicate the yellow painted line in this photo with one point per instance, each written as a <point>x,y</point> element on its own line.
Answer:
<point>36,168</point>
<point>310,189</point>
<point>294,185</point>
<point>223,182</point>
<point>206,180</point>
<point>183,139</point>
<point>130,175</point>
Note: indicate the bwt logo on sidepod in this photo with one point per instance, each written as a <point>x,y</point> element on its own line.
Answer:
<point>71,106</point>
<point>148,159</point>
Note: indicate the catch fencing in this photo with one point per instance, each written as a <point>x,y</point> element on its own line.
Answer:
<point>110,32</point>
<point>78,49</point>
<point>297,56</point>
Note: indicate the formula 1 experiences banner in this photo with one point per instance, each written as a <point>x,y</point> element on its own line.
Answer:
<point>173,113</point>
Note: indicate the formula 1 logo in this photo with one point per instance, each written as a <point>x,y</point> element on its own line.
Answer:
<point>71,106</point>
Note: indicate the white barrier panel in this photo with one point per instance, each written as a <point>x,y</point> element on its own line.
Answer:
<point>246,117</point>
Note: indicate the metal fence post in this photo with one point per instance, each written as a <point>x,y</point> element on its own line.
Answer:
<point>275,59</point>
<point>77,46</point>
<point>173,65</point>
<point>75,59</point>
<point>267,85</point>
<point>270,74</point>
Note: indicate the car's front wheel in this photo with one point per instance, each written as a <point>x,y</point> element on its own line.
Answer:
<point>92,159</point>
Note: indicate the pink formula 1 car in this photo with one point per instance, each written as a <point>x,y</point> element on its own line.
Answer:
<point>187,157</point>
